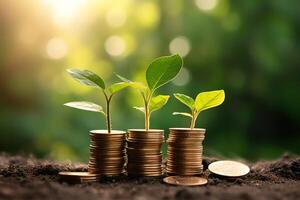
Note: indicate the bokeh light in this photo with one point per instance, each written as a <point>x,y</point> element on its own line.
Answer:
<point>56,48</point>
<point>180,45</point>
<point>147,14</point>
<point>115,45</point>
<point>206,5</point>
<point>182,78</point>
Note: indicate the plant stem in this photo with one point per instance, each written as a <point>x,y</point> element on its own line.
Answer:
<point>108,120</point>
<point>147,111</point>
<point>147,116</point>
<point>194,117</point>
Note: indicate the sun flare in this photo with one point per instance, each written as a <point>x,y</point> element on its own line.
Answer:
<point>64,10</point>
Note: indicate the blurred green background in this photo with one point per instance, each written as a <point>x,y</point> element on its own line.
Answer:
<point>248,48</point>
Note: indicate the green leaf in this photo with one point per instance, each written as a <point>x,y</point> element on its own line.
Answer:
<point>188,101</point>
<point>158,102</point>
<point>117,87</point>
<point>122,78</point>
<point>206,100</point>
<point>133,84</point>
<point>162,70</point>
<point>87,77</point>
<point>84,105</point>
<point>142,109</point>
<point>183,113</point>
<point>137,85</point>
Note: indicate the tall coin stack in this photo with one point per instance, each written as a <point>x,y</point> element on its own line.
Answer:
<point>144,152</point>
<point>107,152</point>
<point>185,150</point>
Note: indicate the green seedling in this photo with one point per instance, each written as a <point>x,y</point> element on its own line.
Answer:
<point>203,101</point>
<point>91,79</point>
<point>161,71</point>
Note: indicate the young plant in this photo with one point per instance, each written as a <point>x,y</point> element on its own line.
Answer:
<point>161,71</point>
<point>203,101</point>
<point>91,79</point>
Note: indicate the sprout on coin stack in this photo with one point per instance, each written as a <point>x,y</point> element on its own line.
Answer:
<point>185,145</point>
<point>144,145</point>
<point>107,148</point>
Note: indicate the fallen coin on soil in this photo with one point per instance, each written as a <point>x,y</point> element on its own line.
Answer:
<point>185,180</point>
<point>79,177</point>
<point>228,168</point>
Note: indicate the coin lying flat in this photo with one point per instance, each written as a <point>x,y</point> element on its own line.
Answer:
<point>185,180</point>
<point>229,168</point>
<point>77,174</point>
<point>79,177</point>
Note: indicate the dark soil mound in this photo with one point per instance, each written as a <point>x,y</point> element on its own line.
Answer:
<point>29,178</point>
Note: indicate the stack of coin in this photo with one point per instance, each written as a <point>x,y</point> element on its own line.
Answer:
<point>79,177</point>
<point>107,152</point>
<point>185,151</point>
<point>144,152</point>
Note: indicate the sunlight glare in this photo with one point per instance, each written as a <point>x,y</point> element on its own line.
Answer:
<point>64,10</point>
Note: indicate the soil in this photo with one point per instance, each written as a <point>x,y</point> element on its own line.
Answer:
<point>29,178</point>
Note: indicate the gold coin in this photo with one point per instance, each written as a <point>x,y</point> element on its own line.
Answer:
<point>134,171</point>
<point>106,165</point>
<point>146,174</point>
<point>185,180</point>
<point>143,145</point>
<point>143,142</point>
<point>183,174</point>
<point>183,150</point>
<point>109,159</point>
<point>145,161</point>
<point>143,152</point>
<point>186,137</point>
<point>107,154</point>
<point>111,174</point>
<point>185,164</point>
<point>184,130</point>
<point>185,156</point>
<point>104,132</point>
<point>143,132</point>
<point>146,156</point>
<point>77,174</point>
<point>229,168</point>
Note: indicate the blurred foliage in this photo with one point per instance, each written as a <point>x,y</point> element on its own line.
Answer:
<point>248,48</point>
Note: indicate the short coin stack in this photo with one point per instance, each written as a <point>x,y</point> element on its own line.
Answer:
<point>185,151</point>
<point>79,177</point>
<point>107,152</point>
<point>144,152</point>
